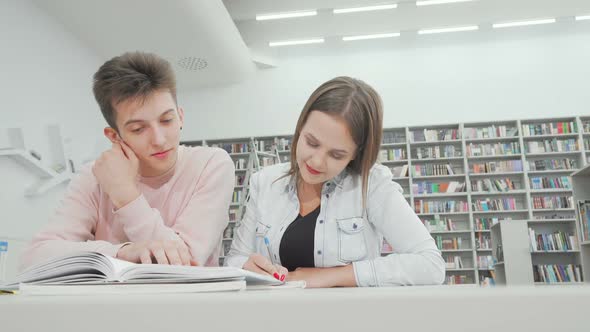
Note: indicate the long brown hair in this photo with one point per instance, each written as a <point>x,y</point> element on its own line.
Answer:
<point>361,108</point>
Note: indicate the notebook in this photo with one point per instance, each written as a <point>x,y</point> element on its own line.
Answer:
<point>87,268</point>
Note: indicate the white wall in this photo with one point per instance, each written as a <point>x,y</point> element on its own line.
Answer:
<point>535,75</point>
<point>46,78</point>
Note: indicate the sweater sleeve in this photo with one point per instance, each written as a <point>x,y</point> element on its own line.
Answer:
<point>72,227</point>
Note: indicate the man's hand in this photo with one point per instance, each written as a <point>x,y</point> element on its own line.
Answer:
<point>116,172</point>
<point>171,252</point>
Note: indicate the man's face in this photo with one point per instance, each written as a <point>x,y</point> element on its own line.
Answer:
<point>151,129</point>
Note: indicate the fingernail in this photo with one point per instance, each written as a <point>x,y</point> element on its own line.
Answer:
<point>283,277</point>
<point>276,275</point>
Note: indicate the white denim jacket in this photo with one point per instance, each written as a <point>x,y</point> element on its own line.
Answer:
<point>344,232</point>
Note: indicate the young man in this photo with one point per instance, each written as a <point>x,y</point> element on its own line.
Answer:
<point>147,199</point>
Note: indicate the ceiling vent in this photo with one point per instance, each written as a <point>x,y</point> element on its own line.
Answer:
<point>192,63</point>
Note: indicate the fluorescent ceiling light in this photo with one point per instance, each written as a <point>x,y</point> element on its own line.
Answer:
<point>364,9</point>
<point>442,30</point>
<point>523,23</point>
<point>277,16</point>
<point>437,2</point>
<point>296,42</point>
<point>375,36</point>
<point>582,18</point>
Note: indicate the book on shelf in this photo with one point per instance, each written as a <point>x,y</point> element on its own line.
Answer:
<point>433,169</point>
<point>496,149</point>
<point>557,273</point>
<point>553,202</point>
<point>541,182</point>
<point>583,220</point>
<point>552,145</point>
<point>554,128</point>
<point>496,167</point>
<point>494,185</point>
<point>556,241</point>
<point>92,268</point>
<point>553,164</point>
<point>427,187</point>
<point>433,135</point>
<point>400,171</point>
<point>491,131</point>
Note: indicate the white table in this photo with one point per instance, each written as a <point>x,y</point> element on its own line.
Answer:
<point>442,308</point>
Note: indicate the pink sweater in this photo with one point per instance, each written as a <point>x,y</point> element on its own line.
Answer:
<point>190,202</point>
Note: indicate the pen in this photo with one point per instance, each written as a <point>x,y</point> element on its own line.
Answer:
<point>267,243</point>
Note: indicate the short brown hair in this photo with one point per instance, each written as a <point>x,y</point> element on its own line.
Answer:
<point>130,76</point>
<point>361,108</point>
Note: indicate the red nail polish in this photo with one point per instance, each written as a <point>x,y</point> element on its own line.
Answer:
<point>276,275</point>
<point>283,277</point>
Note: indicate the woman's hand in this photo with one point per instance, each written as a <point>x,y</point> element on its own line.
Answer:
<point>262,265</point>
<point>318,277</point>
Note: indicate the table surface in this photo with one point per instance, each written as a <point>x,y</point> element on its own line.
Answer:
<point>423,308</point>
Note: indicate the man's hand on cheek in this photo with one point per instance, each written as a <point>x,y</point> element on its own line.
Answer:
<point>116,172</point>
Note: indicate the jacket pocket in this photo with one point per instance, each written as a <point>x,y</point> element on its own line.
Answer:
<point>352,245</point>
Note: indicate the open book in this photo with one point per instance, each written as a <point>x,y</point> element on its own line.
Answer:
<point>91,268</point>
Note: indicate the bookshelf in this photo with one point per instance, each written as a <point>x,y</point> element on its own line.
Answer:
<point>495,170</point>
<point>581,192</point>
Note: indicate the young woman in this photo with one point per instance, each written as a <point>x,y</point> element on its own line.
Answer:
<point>322,218</point>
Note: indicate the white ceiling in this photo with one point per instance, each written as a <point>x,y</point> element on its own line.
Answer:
<point>226,35</point>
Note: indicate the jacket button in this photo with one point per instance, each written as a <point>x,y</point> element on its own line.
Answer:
<point>319,252</point>
<point>321,221</point>
<point>327,195</point>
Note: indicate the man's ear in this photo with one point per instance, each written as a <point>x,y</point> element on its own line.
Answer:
<point>112,135</point>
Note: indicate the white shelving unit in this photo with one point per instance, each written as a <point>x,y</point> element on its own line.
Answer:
<point>409,149</point>
<point>48,176</point>
<point>581,183</point>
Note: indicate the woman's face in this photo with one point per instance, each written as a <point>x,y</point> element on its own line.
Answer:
<point>325,147</point>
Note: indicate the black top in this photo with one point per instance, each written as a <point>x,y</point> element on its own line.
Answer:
<point>297,244</point>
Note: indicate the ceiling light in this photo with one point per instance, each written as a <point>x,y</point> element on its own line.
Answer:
<point>443,30</point>
<point>296,42</point>
<point>523,23</point>
<point>582,18</point>
<point>364,9</point>
<point>375,36</point>
<point>277,16</point>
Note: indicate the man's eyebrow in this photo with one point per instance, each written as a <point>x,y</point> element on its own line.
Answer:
<point>138,120</point>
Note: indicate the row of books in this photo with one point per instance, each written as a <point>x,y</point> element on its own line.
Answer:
<point>486,262</point>
<point>422,206</point>
<point>554,273</point>
<point>432,135</point>
<point>434,152</point>
<point>400,171</point>
<point>494,185</point>
<point>586,143</point>
<point>584,219</point>
<point>556,241</point>
<point>232,147</point>
<point>496,149</point>
<point>267,161</point>
<point>496,166</point>
<point>492,131</point>
<point>498,204</point>
<point>453,262</point>
<point>483,241</point>
<point>552,164</point>
<point>427,187</point>
<point>553,145</point>
<point>562,182</point>
<point>236,197</point>
<point>392,154</point>
<point>439,225</point>
<point>586,126</point>
<point>432,169</point>
<point>553,128</point>
<point>453,279</point>
<point>390,137</point>
<point>240,164</point>
<point>448,244</point>
<point>239,180</point>
<point>484,224</point>
<point>553,202</point>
